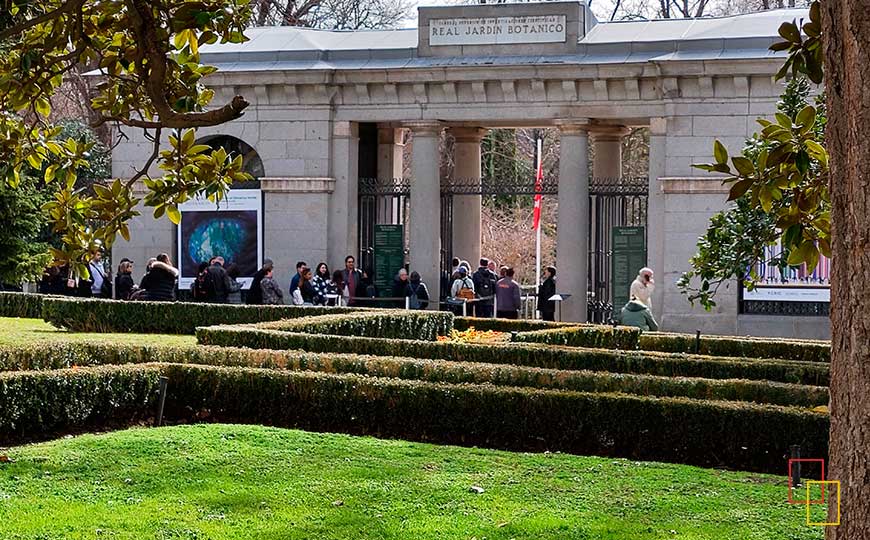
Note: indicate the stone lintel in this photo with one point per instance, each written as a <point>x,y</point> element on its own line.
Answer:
<point>297,184</point>
<point>693,185</point>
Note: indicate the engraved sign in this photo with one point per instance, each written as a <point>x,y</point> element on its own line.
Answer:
<point>497,30</point>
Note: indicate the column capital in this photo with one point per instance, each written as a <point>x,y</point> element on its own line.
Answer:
<point>608,132</point>
<point>573,127</point>
<point>468,134</point>
<point>431,128</point>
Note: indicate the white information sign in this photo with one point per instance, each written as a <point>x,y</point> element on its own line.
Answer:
<point>797,293</point>
<point>232,230</point>
<point>497,30</point>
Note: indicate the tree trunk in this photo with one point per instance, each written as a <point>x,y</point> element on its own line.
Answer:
<point>847,48</point>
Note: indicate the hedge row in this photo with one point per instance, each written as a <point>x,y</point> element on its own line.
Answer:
<point>24,305</point>
<point>95,315</point>
<point>392,324</point>
<point>60,355</point>
<point>34,404</point>
<point>753,347</point>
<point>706,433</point>
<point>523,354</point>
<point>509,325</point>
<point>595,336</point>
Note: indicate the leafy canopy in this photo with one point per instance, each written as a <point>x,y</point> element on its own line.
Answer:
<point>147,52</point>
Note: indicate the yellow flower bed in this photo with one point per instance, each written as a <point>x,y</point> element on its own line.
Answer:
<point>475,336</point>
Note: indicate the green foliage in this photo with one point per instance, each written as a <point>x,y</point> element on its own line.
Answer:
<point>786,349</point>
<point>152,80</point>
<point>15,304</point>
<point>594,336</point>
<point>23,251</point>
<point>97,315</point>
<point>392,324</point>
<point>766,214</point>
<point>532,355</point>
<point>37,404</point>
<point>65,355</point>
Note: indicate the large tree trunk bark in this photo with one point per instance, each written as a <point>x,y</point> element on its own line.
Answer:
<point>847,50</point>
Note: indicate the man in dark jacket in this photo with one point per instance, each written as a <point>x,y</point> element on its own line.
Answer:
<point>159,282</point>
<point>546,290</point>
<point>484,287</point>
<point>353,279</point>
<point>220,280</point>
<point>255,293</point>
<point>507,294</point>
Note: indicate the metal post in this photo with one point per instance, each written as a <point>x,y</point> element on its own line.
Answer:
<point>697,341</point>
<point>407,302</point>
<point>161,392</point>
<point>464,308</point>
<point>494,306</point>
<point>795,453</point>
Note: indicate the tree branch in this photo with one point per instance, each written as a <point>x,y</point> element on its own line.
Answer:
<point>69,7</point>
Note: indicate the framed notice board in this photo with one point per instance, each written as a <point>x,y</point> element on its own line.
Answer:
<point>629,256</point>
<point>389,255</point>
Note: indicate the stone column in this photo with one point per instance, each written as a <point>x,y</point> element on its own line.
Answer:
<point>572,235</point>
<point>425,212</point>
<point>655,212</point>
<point>390,166</point>
<point>607,154</point>
<point>343,235</point>
<point>466,208</point>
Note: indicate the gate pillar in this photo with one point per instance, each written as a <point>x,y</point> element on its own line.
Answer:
<point>572,235</point>
<point>466,208</point>
<point>425,211</point>
<point>607,151</point>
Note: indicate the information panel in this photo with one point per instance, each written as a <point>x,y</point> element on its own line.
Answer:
<point>233,230</point>
<point>389,255</point>
<point>629,256</point>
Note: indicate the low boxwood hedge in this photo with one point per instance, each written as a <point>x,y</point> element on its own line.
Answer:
<point>36,404</point>
<point>95,315</point>
<point>594,336</point>
<point>528,354</point>
<point>63,355</point>
<point>394,324</point>
<point>753,347</point>
<point>24,305</point>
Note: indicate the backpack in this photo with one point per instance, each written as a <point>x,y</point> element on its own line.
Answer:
<point>465,292</point>
<point>485,285</point>
<point>413,300</point>
<point>203,287</point>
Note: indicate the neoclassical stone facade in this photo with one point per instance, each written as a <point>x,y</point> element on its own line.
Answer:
<point>311,93</point>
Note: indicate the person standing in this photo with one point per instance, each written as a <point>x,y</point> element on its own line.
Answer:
<point>294,281</point>
<point>546,291</point>
<point>352,279</point>
<point>484,287</point>
<point>255,294</point>
<point>321,282</point>
<point>235,292</point>
<point>159,282</point>
<point>336,287</point>
<point>642,287</point>
<point>306,288</point>
<point>220,280</point>
<point>400,288</point>
<point>270,292</point>
<point>124,280</point>
<point>509,299</point>
<point>418,294</point>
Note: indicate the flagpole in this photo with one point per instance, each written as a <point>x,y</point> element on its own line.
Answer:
<point>538,231</point>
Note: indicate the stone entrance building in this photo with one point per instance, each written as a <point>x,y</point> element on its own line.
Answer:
<point>329,108</point>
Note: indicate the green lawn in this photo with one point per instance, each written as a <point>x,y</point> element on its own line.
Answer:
<point>245,482</point>
<point>25,331</point>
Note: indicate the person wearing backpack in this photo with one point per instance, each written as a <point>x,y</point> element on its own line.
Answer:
<point>417,293</point>
<point>484,286</point>
<point>221,283</point>
<point>462,290</point>
<point>202,287</point>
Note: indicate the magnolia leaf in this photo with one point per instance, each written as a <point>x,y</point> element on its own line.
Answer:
<point>173,213</point>
<point>807,116</point>
<point>790,32</point>
<point>765,198</point>
<point>743,166</point>
<point>739,189</point>
<point>720,154</point>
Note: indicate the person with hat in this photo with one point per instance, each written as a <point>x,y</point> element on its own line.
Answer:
<point>255,293</point>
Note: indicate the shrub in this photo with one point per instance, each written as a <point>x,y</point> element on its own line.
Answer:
<point>787,349</point>
<point>95,315</point>
<point>34,404</point>
<point>24,305</point>
<point>528,354</point>
<point>395,324</point>
<point>706,433</point>
<point>60,355</point>
<point>595,336</point>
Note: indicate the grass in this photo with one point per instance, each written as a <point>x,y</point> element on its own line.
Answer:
<point>26,331</point>
<point>246,482</point>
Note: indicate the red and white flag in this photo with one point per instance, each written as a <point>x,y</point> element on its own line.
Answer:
<point>539,187</point>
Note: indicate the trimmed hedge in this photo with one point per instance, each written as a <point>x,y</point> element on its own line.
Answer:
<point>23,305</point>
<point>706,433</point>
<point>755,347</point>
<point>96,315</point>
<point>39,403</point>
<point>528,354</point>
<point>393,324</point>
<point>509,325</point>
<point>60,355</point>
<point>595,336</point>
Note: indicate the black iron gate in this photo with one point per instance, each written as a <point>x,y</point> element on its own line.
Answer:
<point>613,202</point>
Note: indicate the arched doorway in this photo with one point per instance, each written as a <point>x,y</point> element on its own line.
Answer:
<point>251,162</point>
